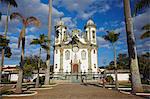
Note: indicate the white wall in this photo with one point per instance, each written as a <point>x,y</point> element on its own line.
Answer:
<point>89,32</point>
<point>13,77</point>
<point>83,67</point>
<point>94,60</point>
<point>57,60</point>
<point>84,63</point>
<point>121,77</point>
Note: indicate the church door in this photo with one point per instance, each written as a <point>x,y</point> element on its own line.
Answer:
<point>75,68</point>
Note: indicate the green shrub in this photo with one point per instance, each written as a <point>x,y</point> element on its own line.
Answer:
<point>109,79</point>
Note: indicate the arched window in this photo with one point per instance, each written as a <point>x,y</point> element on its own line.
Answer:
<point>94,51</point>
<point>56,51</point>
<point>93,33</point>
<point>86,34</point>
<point>83,55</point>
<point>67,55</point>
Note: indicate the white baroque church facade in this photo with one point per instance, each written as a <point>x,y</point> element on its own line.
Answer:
<point>75,53</point>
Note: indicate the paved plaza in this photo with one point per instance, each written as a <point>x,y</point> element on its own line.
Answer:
<point>78,91</point>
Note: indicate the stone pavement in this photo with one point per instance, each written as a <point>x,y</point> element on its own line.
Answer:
<point>78,91</point>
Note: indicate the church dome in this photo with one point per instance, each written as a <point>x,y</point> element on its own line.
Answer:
<point>90,22</point>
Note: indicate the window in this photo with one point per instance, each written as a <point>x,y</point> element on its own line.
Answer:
<point>94,51</point>
<point>67,55</point>
<point>56,66</point>
<point>94,65</point>
<point>93,33</point>
<point>86,34</point>
<point>56,51</point>
<point>83,55</point>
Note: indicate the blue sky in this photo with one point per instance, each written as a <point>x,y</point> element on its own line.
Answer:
<point>107,15</point>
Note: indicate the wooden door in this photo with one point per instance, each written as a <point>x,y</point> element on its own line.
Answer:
<point>75,68</point>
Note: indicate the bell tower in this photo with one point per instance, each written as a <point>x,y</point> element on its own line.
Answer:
<point>60,32</point>
<point>90,30</point>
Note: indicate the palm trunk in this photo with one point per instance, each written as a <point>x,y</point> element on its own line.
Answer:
<point>1,65</point>
<point>5,35</point>
<point>47,73</point>
<point>20,75</point>
<point>135,75</point>
<point>37,80</point>
<point>104,79</point>
<point>115,71</point>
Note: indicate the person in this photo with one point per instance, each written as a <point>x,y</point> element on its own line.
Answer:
<point>82,80</point>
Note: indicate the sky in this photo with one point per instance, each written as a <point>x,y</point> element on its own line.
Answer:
<point>108,15</point>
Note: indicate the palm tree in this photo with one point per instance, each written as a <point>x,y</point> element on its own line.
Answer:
<point>47,73</point>
<point>7,51</point>
<point>134,68</point>
<point>42,41</point>
<point>25,22</point>
<point>140,4</point>
<point>9,3</point>
<point>112,37</point>
<point>146,34</point>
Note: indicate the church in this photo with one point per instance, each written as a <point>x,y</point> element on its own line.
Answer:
<point>75,52</point>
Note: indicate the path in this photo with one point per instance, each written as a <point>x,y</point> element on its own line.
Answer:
<point>77,91</point>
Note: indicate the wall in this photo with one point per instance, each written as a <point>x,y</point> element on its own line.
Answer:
<point>121,77</point>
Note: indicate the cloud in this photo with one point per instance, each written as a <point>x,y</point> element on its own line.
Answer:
<point>84,8</point>
<point>29,8</point>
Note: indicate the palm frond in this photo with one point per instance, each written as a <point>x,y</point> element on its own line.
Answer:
<point>11,2</point>
<point>35,42</point>
<point>141,4</point>
<point>145,35</point>
<point>47,41</point>
<point>33,20</point>
<point>3,41</point>
<point>42,38</point>
<point>16,15</point>
<point>146,27</point>
<point>8,52</point>
<point>111,36</point>
<point>45,47</point>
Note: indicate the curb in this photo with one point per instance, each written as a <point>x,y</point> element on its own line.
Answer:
<point>138,94</point>
<point>33,89</point>
<point>143,94</point>
<point>21,95</point>
<point>50,85</point>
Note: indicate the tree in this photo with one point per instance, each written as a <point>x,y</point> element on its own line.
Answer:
<point>109,79</point>
<point>146,34</point>
<point>144,61</point>
<point>133,62</point>
<point>123,61</point>
<point>9,3</point>
<point>42,41</point>
<point>112,37</point>
<point>26,22</point>
<point>47,72</point>
<point>141,4</point>
<point>31,64</point>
